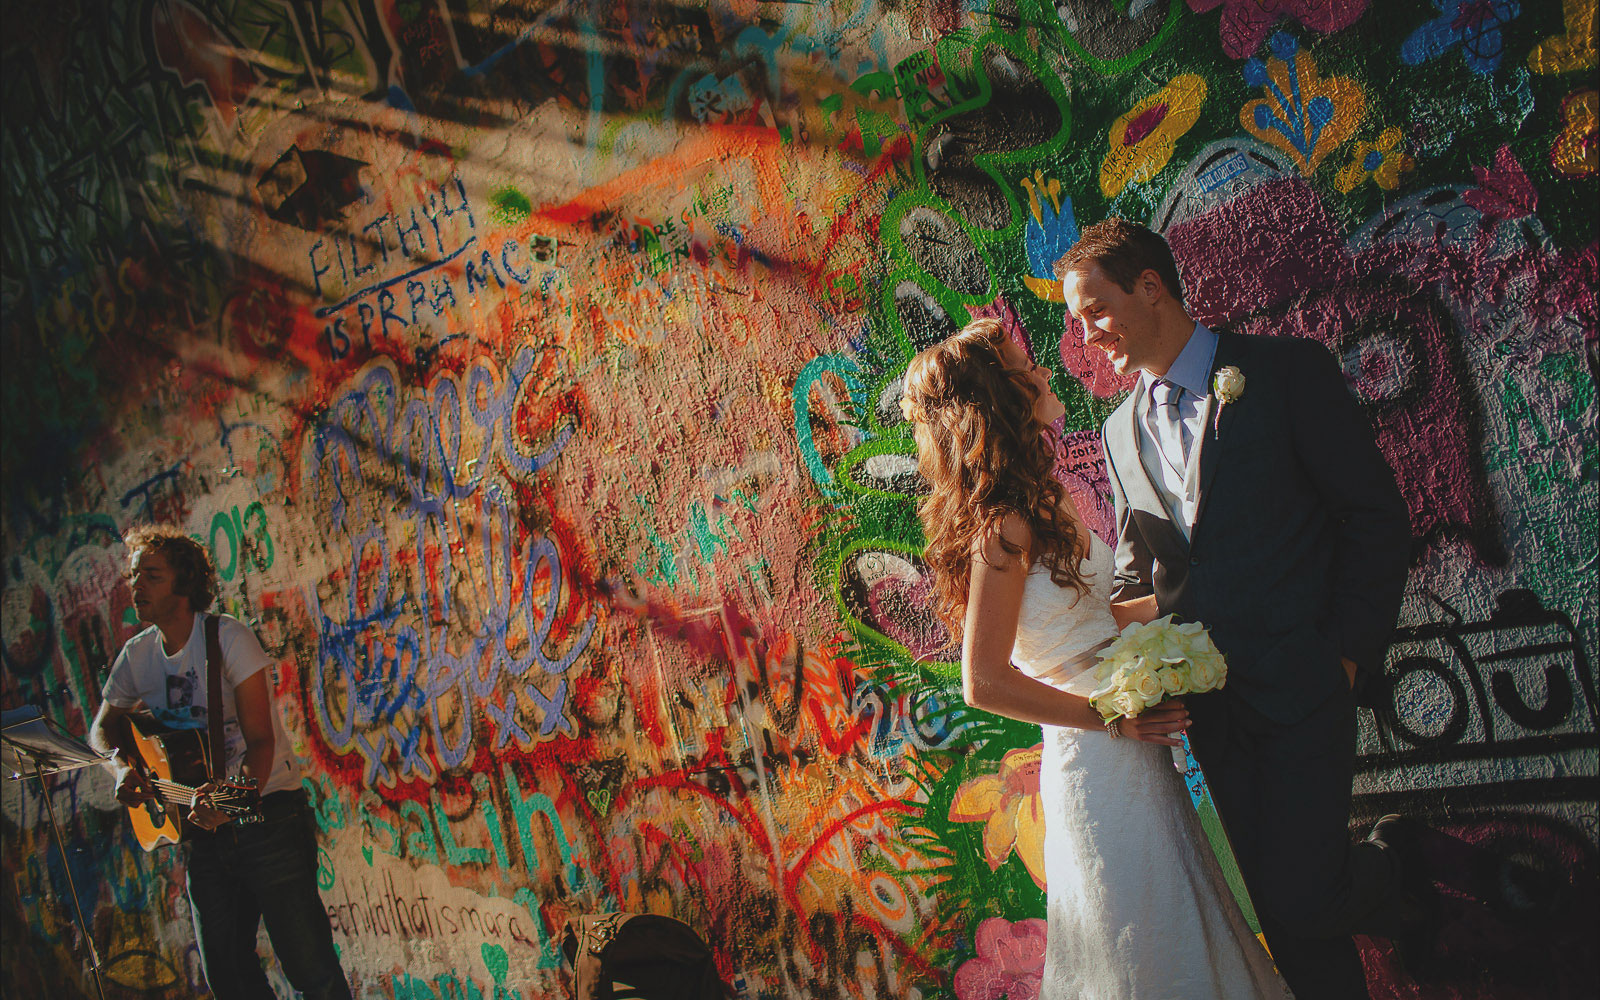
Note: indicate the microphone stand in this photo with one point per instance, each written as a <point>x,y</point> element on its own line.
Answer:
<point>28,738</point>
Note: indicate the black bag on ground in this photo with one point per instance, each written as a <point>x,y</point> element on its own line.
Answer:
<point>627,956</point>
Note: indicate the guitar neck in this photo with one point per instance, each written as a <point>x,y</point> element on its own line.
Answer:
<point>178,794</point>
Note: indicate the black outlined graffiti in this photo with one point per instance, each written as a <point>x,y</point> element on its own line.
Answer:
<point>1475,695</point>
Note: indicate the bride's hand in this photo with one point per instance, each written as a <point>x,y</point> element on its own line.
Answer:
<point>1158,724</point>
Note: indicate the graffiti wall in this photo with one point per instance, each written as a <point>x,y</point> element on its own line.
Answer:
<point>531,372</point>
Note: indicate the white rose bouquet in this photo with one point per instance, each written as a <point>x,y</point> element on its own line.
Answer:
<point>1151,662</point>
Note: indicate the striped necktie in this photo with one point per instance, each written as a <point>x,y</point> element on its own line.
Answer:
<point>1171,431</point>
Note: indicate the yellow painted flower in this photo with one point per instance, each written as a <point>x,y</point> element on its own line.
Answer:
<point>1009,803</point>
<point>1383,161</point>
<point>1576,152</point>
<point>1303,113</point>
<point>1576,49</point>
<point>1142,140</point>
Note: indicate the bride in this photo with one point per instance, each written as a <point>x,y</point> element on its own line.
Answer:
<point>1137,905</point>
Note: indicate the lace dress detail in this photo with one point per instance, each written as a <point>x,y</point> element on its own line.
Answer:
<point>1057,627</point>
<point>1137,906</point>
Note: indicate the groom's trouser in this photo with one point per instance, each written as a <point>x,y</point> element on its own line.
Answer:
<point>1283,792</point>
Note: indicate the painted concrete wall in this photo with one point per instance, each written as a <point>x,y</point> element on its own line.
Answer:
<point>530,370</point>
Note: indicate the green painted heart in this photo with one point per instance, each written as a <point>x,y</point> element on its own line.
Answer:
<point>494,956</point>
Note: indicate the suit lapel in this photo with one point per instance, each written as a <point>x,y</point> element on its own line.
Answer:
<point>1218,417</point>
<point>1191,474</point>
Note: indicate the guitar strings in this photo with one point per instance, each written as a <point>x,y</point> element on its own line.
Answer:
<point>181,794</point>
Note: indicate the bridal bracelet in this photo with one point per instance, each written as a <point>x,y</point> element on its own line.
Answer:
<point>1114,727</point>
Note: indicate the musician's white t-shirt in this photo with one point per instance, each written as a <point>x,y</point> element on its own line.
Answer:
<point>173,689</point>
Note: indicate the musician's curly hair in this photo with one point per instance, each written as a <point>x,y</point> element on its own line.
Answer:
<point>984,455</point>
<point>193,575</point>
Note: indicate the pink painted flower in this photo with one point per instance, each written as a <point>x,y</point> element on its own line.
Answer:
<point>1246,23</point>
<point>1504,192</point>
<point>1010,961</point>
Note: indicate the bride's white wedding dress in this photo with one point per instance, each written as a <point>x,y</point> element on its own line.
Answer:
<point>1138,907</point>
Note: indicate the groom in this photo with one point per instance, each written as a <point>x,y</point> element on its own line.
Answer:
<point>1250,497</point>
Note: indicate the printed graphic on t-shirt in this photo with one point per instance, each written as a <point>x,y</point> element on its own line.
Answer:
<point>181,712</point>
<point>186,708</point>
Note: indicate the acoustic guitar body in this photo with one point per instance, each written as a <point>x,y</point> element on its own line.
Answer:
<point>172,755</point>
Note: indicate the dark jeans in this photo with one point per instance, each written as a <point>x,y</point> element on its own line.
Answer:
<point>244,874</point>
<point>1283,792</point>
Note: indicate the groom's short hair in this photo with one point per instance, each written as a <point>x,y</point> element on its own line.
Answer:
<point>1124,250</point>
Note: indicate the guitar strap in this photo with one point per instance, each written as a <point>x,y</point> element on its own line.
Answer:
<point>216,754</point>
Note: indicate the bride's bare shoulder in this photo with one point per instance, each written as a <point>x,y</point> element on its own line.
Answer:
<point>1008,543</point>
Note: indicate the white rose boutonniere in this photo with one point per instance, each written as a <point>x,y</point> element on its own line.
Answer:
<point>1229,386</point>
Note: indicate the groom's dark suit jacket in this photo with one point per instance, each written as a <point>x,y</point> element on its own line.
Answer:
<point>1301,541</point>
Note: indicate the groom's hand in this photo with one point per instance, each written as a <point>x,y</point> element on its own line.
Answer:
<point>1349,670</point>
<point>1159,724</point>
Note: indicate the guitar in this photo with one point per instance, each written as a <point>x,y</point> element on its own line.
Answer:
<point>172,762</point>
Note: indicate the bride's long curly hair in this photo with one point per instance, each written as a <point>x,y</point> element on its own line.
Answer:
<point>984,455</point>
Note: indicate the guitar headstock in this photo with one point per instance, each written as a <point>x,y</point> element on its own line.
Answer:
<point>235,796</point>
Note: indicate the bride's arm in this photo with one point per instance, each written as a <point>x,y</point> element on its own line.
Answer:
<point>990,682</point>
<point>1140,609</point>
<point>994,601</point>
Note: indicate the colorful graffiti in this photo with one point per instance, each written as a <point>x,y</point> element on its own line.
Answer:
<point>532,377</point>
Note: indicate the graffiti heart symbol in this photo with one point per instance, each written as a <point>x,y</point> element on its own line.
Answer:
<point>600,798</point>
<point>494,956</point>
